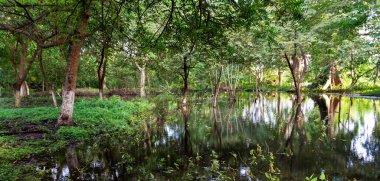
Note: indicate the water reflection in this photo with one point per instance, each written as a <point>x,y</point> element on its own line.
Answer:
<point>334,133</point>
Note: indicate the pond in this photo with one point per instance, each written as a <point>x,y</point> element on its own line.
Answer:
<point>333,134</point>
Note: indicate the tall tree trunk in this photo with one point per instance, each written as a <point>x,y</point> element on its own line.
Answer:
<point>149,88</point>
<point>17,98</point>
<point>23,88</point>
<point>102,68</point>
<point>295,70</point>
<point>257,85</point>
<point>52,92</point>
<point>279,77</point>
<point>20,87</point>
<point>185,89</point>
<point>75,46</point>
<point>232,80</point>
<point>46,79</point>
<point>353,76</point>
<point>142,82</point>
<point>185,77</point>
<point>23,56</point>
<point>43,85</point>
<point>142,79</point>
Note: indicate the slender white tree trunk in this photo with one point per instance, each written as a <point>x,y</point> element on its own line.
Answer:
<point>142,79</point>
<point>18,99</point>
<point>54,98</point>
<point>142,83</point>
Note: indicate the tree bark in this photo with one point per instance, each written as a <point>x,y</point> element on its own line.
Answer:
<point>149,86</point>
<point>353,77</point>
<point>102,67</point>
<point>185,77</point>
<point>20,87</point>
<point>24,90</point>
<point>52,92</point>
<point>185,89</point>
<point>279,77</point>
<point>142,82</point>
<point>142,79</point>
<point>75,46</point>
<point>295,69</point>
<point>17,98</point>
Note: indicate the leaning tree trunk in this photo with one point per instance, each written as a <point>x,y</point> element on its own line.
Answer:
<point>295,70</point>
<point>75,46</point>
<point>102,69</point>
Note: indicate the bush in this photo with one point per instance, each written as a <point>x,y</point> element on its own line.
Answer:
<point>72,133</point>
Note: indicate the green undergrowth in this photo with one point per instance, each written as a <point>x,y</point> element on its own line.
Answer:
<point>370,91</point>
<point>17,151</point>
<point>8,102</point>
<point>109,114</point>
<point>92,118</point>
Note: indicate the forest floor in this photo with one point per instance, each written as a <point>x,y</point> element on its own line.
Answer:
<point>29,132</point>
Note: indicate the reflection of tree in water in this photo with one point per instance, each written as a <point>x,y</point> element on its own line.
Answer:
<point>295,128</point>
<point>301,142</point>
<point>328,106</point>
<point>187,144</point>
<point>72,163</point>
<point>217,122</point>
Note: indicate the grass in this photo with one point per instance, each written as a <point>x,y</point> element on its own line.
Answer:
<point>371,93</point>
<point>92,117</point>
<point>8,102</point>
<point>362,89</point>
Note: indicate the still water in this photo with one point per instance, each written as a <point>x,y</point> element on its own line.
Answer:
<point>334,134</point>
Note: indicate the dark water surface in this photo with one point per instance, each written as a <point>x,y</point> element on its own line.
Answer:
<point>331,133</point>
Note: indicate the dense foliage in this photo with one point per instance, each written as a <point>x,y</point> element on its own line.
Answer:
<point>158,35</point>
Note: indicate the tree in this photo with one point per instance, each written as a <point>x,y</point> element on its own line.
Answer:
<point>21,65</point>
<point>75,45</point>
<point>105,29</point>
